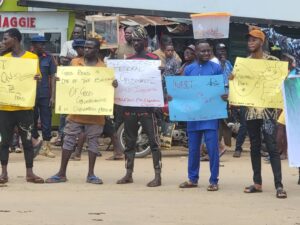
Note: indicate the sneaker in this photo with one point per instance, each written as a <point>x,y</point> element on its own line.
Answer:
<point>18,150</point>
<point>237,154</point>
<point>204,158</point>
<point>46,150</point>
<point>267,159</point>
<point>222,153</point>
<point>75,157</point>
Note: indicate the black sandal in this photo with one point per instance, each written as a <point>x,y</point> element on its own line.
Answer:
<point>281,193</point>
<point>252,189</point>
<point>213,187</point>
<point>188,184</point>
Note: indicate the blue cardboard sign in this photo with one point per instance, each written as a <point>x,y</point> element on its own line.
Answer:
<point>196,98</point>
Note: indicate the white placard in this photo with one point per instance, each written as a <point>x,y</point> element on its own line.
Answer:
<point>139,83</point>
<point>291,94</point>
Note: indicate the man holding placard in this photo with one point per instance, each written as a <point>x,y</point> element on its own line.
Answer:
<point>208,128</point>
<point>262,120</point>
<point>145,115</point>
<point>20,116</point>
<point>91,125</point>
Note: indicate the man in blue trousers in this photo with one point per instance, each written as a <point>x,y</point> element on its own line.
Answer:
<point>45,95</point>
<point>208,128</point>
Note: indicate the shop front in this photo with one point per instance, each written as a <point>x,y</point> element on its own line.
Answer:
<point>54,25</point>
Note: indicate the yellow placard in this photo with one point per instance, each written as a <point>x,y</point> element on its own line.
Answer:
<point>84,90</point>
<point>17,84</point>
<point>257,83</point>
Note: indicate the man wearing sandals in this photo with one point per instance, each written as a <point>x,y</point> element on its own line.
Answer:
<point>22,117</point>
<point>209,128</point>
<point>262,120</point>
<point>91,125</point>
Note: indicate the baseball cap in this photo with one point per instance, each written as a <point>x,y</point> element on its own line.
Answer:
<point>221,45</point>
<point>78,43</point>
<point>192,47</point>
<point>257,34</point>
<point>38,38</point>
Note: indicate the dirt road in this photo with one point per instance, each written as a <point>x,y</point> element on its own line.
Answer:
<point>79,203</point>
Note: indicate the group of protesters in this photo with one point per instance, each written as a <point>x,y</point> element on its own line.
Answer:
<point>202,58</point>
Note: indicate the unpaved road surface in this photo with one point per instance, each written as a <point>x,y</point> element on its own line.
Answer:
<point>79,203</point>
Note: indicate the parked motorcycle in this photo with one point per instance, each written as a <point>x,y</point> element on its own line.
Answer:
<point>174,132</point>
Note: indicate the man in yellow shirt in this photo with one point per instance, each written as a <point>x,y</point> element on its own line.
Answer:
<point>11,116</point>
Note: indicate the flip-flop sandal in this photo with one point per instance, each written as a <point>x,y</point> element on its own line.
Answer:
<point>252,189</point>
<point>18,150</point>
<point>3,180</point>
<point>35,180</point>
<point>213,187</point>
<point>280,193</point>
<point>56,179</point>
<point>188,184</point>
<point>222,153</point>
<point>115,158</point>
<point>94,180</point>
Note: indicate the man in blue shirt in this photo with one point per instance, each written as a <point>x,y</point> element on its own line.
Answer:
<point>208,128</point>
<point>45,95</point>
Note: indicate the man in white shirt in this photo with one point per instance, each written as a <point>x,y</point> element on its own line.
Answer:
<point>67,51</point>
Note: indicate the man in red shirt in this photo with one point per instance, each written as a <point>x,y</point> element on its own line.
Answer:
<point>146,116</point>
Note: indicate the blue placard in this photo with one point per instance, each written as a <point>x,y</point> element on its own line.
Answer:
<point>196,98</point>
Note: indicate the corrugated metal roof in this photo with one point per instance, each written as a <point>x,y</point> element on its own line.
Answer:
<point>146,21</point>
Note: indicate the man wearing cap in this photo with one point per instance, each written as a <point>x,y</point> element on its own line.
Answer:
<point>221,53</point>
<point>189,57</point>
<point>45,97</point>
<point>224,130</point>
<point>144,115</point>
<point>262,120</point>
<point>78,46</point>
<point>66,55</point>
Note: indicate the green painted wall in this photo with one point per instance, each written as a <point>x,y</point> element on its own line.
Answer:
<point>71,24</point>
<point>11,6</point>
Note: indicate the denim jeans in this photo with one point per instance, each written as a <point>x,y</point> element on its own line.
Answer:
<point>62,124</point>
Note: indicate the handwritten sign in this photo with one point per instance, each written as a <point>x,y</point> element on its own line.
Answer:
<point>257,83</point>
<point>17,84</point>
<point>84,90</point>
<point>139,82</point>
<point>292,118</point>
<point>196,98</point>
